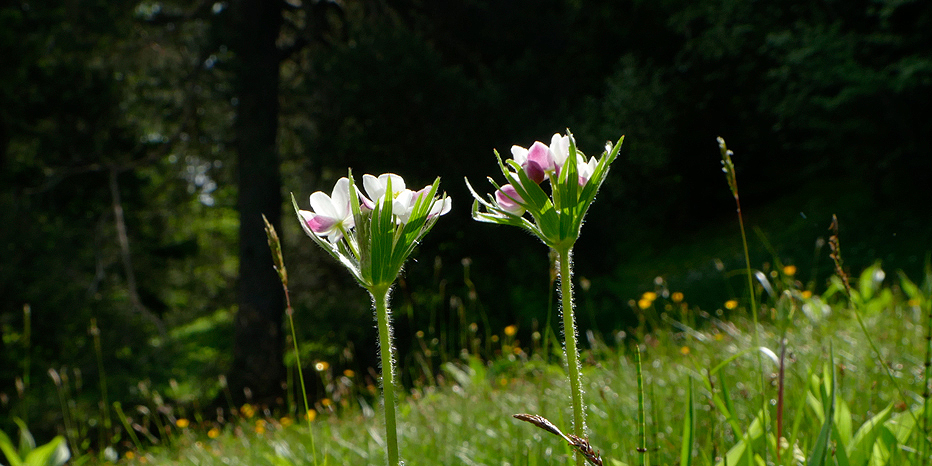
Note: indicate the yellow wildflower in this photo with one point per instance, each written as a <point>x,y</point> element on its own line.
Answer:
<point>511,330</point>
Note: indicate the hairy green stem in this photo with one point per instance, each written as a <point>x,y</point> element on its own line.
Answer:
<point>380,301</point>
<point>570,346</point>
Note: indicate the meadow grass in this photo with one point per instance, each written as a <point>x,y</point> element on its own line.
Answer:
<point>466,417</point>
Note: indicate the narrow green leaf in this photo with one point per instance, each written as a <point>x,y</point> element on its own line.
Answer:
<point>729,405</point>
<point>820,450</point>
<point>883,448</point>
<point>54,453</point>
<point>26,441</point>
<point>843,425</point>
<point>642,418</point>
<point>743,451</point>
<point>689,427</point>
<point>860,448</point>
<point>6,446</point>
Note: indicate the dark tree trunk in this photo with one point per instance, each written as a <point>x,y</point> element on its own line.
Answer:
<point>257,372</point>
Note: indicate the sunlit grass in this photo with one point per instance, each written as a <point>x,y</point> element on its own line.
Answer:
<point>466,418</point>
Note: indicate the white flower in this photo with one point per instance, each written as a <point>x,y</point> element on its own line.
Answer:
<point>332,215</point>
<point>402,198</point>
<point>559,149</point>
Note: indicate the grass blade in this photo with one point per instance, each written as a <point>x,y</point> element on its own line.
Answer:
<point>689,427</point>
<point>821,448</point>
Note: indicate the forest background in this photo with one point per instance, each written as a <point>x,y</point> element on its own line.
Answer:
<point>140,141</point>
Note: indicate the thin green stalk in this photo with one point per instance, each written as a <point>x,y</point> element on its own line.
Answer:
<point>569,338</point>
<point>27,360</point>
<point>279,260</point>
<point>102,376</point>
<point>730,175</point>
<point>297,355</point>
<point>126,425</point>
<point>380,301</point>
<point>753,298</point>
<point>642,416</point>
<point>835,255</point>
<point>926,303</point>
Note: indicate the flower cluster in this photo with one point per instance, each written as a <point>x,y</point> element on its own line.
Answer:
<point>574,180</point>
<point>373,233</point>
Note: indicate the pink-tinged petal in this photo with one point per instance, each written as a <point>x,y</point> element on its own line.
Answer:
<point>586,169</point>
<point>540,154</point>
<point>535,172</point>
<point>319,224</point>
<point>508,199</point>
<point>441,207</point>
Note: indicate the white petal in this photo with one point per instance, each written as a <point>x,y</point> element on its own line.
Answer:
<point>402,204</point>
<point>374,188</point>
<point>398,183</point>
<point>322,205</point>
<point>519,154</point>
<point>559,148</point>
<point>341,199</point>
<point>441,207</point>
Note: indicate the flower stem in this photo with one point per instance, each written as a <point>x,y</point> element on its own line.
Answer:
<point>380,301</point>
<point>570,347</point>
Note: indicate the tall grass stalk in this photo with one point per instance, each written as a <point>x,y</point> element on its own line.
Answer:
<point>279,260</point>
<point>643,460</point>
<point>729,168</point>
<point>126,425</point>
<point>835,255</point>
<point>71,432</point>
<point>926,304</point>
<point>27,357</point>
<point>689,427</point>
<point>107,429</point>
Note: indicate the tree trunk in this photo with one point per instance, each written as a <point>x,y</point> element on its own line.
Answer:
<point>257,372</point>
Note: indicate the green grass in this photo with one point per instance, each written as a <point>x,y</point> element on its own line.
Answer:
<point>466,418</point>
